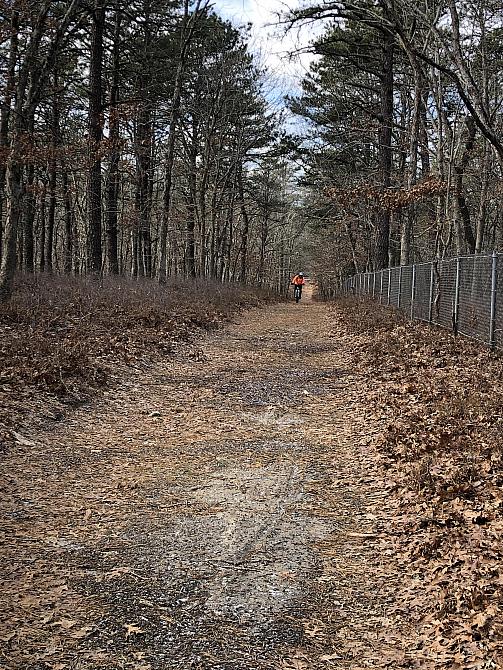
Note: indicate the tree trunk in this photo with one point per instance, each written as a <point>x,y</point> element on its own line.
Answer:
<point>14,203</point>
<point>385,149</point>
<point>5,108</point>
<point>68,243</point>
<point>143,148</point>
<point>29,220</point>
<point>168,172</point>
<point>409,216</point>
<point>42,228</point>
<point>463,222</point>
<point>191,205</point>
<point>246,226</point>
<point>95,129</point>
<point>113,171</point>
<point>51,215</point>
<point>482,213</point>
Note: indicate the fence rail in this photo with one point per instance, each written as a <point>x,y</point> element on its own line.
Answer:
<point>462,294</point>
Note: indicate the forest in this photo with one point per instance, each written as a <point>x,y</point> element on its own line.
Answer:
<point>404,152</point>
<point>196,469</point>
<point>138,139</point>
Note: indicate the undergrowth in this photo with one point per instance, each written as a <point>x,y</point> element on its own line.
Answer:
<point>59,335</point>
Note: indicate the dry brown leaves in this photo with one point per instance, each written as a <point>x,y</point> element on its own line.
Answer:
<point>417,511</point>
<point>441,456</point>
<point>59,336</point>
<point>391,199</point>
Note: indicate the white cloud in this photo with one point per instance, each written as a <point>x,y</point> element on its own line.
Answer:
<point>283,55</point>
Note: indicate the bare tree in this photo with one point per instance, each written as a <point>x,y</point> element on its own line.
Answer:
<point>33,73</point>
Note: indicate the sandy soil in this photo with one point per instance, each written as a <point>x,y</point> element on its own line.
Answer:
<point>214,512</point>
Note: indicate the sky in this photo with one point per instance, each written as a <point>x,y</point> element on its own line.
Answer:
<point>269,42</point>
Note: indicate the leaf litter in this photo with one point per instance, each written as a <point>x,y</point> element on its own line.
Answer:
<point>263,504</point>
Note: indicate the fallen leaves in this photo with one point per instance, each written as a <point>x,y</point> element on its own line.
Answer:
<point>132,629</point>
<point>101,488</point>
<point>65,623</point>
<point>327,658</point>
<point>415,513</point>
<point>294,664</point>
<point>313,630</point>
<point>441,456</point>
<point>81,632</point>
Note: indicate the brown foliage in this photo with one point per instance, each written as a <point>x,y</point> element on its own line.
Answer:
<point>390,199</point>
<point>441,456</point>
<point>59,335</point>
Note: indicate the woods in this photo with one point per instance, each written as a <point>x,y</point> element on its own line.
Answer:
<point>136,140</point>
<point>197,470</point>
<point>403,155</point>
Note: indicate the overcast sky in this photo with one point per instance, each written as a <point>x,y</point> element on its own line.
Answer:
<point>269,41</point>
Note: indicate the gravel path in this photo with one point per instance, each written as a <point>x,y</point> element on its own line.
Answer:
<point>217,512</point>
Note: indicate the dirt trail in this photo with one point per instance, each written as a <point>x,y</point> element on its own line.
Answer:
<point>213,513</point>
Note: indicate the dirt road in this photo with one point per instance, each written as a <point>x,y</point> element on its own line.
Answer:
<point>216,512</point>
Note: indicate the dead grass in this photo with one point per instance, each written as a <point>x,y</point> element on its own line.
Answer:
<point>60,335</point>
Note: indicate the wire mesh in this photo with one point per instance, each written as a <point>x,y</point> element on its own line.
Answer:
<point>394,281</point>
<point>474,315</point>
<point>498,303</point>
<point>422,292</point>
<point>389,286</point>
<point>383,287</point>
<point>444,290</point>
<point>462,294</point>
<point>406,288</point>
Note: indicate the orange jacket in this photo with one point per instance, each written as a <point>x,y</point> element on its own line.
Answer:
<point>298,281</point>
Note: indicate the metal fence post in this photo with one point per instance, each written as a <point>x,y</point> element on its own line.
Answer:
<point>432,283</point>
<point>380,289</point>
<point>494,287</point>
<point>413,293</point>
<point>399,287</point>
<point>455,313</point>
<point>389,285</point>
<point>374,285</point>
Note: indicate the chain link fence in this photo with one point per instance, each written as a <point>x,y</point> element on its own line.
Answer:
<point>462,294</point>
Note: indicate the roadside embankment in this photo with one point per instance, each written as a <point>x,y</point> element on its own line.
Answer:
<point>62,338</point>
<point>441,456</point>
